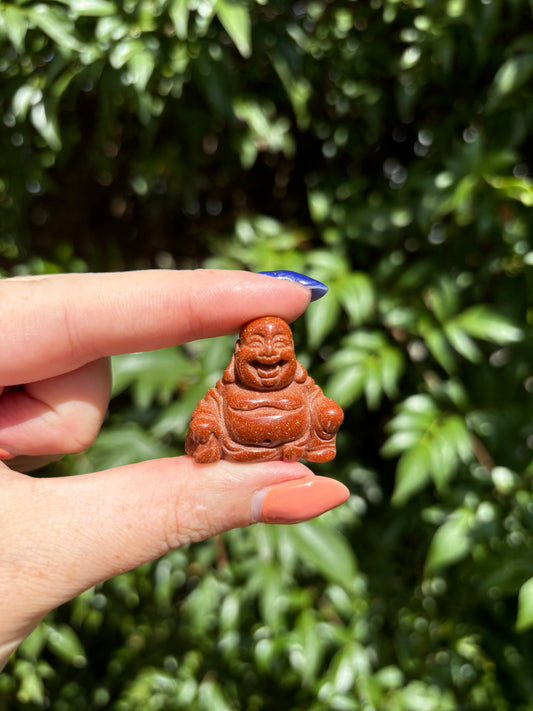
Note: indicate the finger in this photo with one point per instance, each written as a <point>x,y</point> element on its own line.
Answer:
<point>54,324</point>
<point>64,535</point>
<point>55,416</point>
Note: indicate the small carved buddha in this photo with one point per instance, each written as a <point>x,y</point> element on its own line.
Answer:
<point>265,406</point>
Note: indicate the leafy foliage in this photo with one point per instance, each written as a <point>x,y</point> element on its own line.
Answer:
<point>382,147</point>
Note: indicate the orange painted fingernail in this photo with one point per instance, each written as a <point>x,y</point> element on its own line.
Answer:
<point>302,499</point>
<point>5,455</point>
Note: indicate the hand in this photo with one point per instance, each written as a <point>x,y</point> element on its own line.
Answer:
<point>61,536</point>
<point>202,428</point>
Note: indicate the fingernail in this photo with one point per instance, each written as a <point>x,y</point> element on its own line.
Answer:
<point>318,289</point>
<point>5,455</point>
<point>301,499</point>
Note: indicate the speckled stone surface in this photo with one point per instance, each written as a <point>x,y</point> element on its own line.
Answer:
<point>265,406</point>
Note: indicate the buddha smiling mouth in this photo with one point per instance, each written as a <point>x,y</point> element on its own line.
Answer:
<point>268,368</point>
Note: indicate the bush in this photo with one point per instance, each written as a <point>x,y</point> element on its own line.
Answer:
<point>381,147</point>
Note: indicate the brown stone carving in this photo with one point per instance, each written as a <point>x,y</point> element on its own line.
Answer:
<point>265,406</point>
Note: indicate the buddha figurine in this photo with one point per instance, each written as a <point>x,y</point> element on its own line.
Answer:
<point>265,406</point>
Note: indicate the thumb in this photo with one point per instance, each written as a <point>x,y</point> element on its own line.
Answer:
<point>63,535</point>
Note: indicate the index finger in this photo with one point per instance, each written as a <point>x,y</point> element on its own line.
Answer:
<point>54,324</point>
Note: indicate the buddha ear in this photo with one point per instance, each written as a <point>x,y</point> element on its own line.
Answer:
<point>301,373</point>
<point>229,374</point>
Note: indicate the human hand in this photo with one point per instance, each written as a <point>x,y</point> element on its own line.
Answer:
<point>61,536</point>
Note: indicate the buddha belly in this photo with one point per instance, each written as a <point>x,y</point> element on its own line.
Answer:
<point>266,426</point>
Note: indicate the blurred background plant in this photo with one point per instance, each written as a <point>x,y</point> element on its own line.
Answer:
<point>383,147</point>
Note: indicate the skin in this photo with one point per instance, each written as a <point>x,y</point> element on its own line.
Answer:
<point>60,536</point>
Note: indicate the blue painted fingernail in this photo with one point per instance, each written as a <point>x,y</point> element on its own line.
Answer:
<point>318,289</point>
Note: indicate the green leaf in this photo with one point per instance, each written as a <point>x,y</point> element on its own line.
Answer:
<point>154,375</point>
<point>141,65</point>
<point>92,8</point>
<point>372,383</point>
<point>451,392</point>
<point>56,24</point>
<point>462,342</point>
<point>112,28</point>
<point>392,366</point>
<point>123,51</point>
<point>480,321</point>
<point>399,441</point>
<point>451,542</point>
<point>63,81</point>
<point>350,663</point>
<point>32,646</point>
<point>520,189</point>
<point>174,418</point>
<point>390,677</point>
<point>439,348</point>
<point>44,118</point>
<point>328,265</point>
<point>455,429</point>
<point>124,444</point>
<point>365,362</point>
<point>412,473</point>
<point>356,294</point>
<point>462,194</point>
<point>325,550</point>
<point>14,21</point>
<point>524,617</point>
<point>319,205</point>
<point>420,405</point>
<point>443,458</point>
<point>211,697</point>
<point>298,89</point>
<point>513,74</point>
<point>321,317</point>
<point>312,646</point>
<point>425,697</point>
<point>179,14</point>
<point>417,414</point>
<point>272,598</point>
<point>235,19</point>
<point>215,355</point>
<point>433,442</point>
<point>31,689</point>
<point>64,642</point>
<point>346,385</point>
<point>265,130</point>
<point>443,299</point>
<point>25,97</point>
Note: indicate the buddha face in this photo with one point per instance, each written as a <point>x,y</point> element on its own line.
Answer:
<point>264,354</point>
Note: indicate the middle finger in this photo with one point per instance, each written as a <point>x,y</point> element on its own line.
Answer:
<point>58,415</point>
